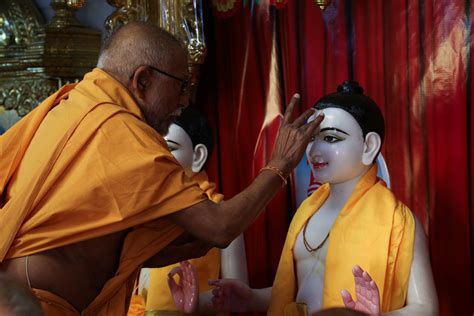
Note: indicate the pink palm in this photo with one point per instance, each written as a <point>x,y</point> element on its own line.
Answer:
<point>367,293</point>
<point>185,293</point>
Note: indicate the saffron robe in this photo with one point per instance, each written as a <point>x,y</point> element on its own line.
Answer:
<point>157,298</point>
<point>373,230</point>
<point>84,164</point>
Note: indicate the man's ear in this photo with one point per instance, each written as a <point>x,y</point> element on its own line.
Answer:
<point>141,81</point>
<point>199,157</point>
<point>372,145</point>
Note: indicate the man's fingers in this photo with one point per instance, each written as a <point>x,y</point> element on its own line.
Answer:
<point>215,282</point>
<point>289,110</point>
<point>313,125</point>
<point>301,120</point>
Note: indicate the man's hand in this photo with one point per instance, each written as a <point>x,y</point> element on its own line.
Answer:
<point>185,293</point>
<point>221,223</point>
<point>230,295</point>
<point>293,137</point>
<point>367,293</point>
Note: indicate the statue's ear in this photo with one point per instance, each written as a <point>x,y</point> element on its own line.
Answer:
<point>372,145</point>
<point>199,157</point>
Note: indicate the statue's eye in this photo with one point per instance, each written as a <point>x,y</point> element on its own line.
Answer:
<point>172,147</point>
<point>331,139</point>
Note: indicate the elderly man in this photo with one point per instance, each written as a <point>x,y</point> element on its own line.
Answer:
<point>90,192</point>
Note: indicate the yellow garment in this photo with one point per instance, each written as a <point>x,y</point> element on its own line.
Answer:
<point>373,230</point>
<point>82,165</point>
<point>158,299</point>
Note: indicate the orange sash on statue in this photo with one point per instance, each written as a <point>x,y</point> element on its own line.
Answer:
<point>373,230</point>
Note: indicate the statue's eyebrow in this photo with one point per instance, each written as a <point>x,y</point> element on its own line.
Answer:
<point>333,129</point>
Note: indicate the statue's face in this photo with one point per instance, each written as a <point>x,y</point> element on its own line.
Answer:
<point>335,154</point>
<point>181,147</point>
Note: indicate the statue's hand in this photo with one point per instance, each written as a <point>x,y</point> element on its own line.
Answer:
<point>293,137</point>
<point>367,293</point>
<point>230,295</point>
<point>185,293</point>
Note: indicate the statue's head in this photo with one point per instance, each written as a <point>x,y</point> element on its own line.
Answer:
<point>349,138</point>
<point>190,140</point>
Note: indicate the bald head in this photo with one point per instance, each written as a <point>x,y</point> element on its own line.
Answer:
<point>136,44</point>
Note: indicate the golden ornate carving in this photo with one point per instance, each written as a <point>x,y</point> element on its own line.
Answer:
<point>24,95</point>
<point>20,24</point>
<point>127,10</point>
<point>70,49</point>
<point>64,10</point>
<point>36,59</point>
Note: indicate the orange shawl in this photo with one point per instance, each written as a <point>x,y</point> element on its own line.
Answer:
<point>84,164</point>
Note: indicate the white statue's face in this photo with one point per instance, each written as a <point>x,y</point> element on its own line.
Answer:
<point>181,147</point>
<point>335,154</point>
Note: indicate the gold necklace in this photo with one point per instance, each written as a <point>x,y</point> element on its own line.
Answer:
<point>306,243</point>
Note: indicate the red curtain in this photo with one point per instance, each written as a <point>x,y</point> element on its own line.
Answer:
<point>235,95</point>
<point>413,57</point>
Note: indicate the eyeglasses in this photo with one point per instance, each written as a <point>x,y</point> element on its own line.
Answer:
<point>184,82</point>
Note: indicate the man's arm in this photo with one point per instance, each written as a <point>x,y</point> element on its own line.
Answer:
<point>182,248</point>
<point>219,224</point>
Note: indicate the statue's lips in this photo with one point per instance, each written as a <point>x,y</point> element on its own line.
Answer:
<point>319,165</point>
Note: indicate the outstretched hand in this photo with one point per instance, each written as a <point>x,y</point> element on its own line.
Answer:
<point>293,137</point>
<point>185,293</point>
<point>230,295</point>
<point>367,293</point>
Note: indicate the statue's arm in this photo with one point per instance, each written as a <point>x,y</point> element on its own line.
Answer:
<point>234,261</point>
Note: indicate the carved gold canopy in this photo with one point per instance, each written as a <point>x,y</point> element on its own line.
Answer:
<point>37,58</point>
